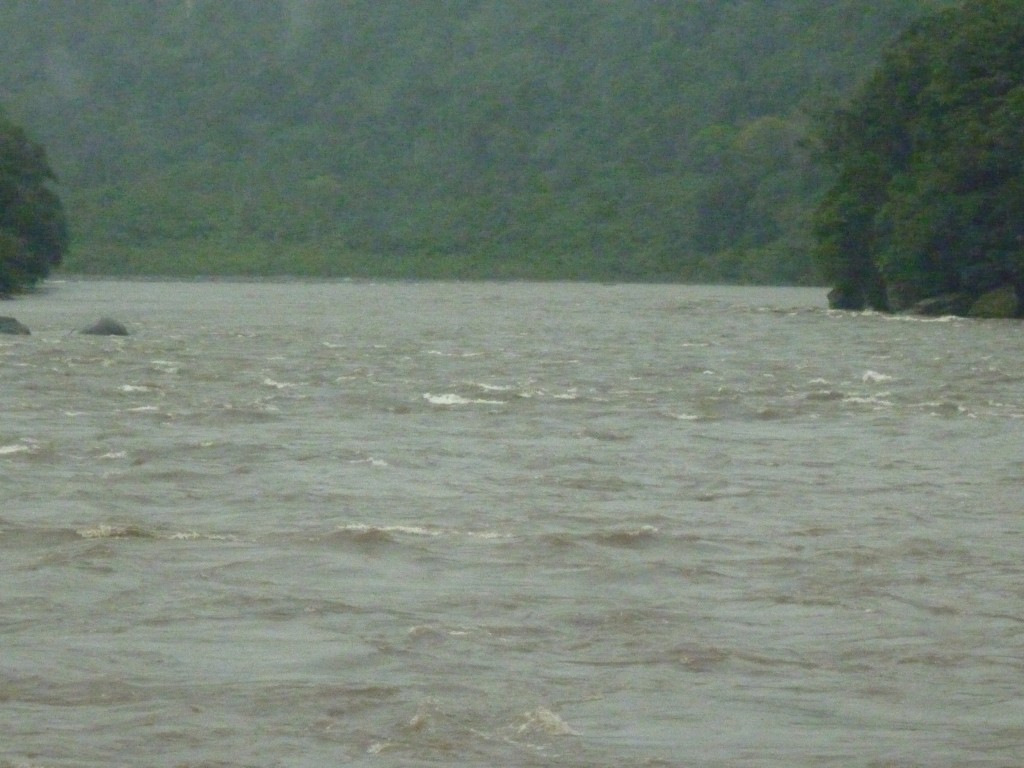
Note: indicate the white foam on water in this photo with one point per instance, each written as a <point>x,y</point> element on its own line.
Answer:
<point>196,536</point>
<point>135,388</point>
<point>268,382</point>
<point>453,399</point>
<point>942,406</point>
<point>543,720</point>
<point>448,399</point>
<point>412,530</point>
<point>422,531</point>
<point>104,532</point>
<point>487,535</point>
<point>409,530</point>
<point>142,409</point>
<point>426,714</point>
<point>915,318</point>
<point>114,455</point>
<point>185,536</point>
<point>423,630</point>
<point>529,394</point>
<point>372,461</point>
<point>875,400</point>
<point>439,353</point>
<point>10,450</point>
<point>874,377</point>
<point>492,387</point>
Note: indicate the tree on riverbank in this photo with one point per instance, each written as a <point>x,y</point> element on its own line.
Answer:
<point>929,197</point>
<point>33,230</point>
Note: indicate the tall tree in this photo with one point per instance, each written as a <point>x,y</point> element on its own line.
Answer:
<point>33,229</point>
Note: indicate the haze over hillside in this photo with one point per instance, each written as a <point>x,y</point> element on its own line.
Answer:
<point>451,138</point>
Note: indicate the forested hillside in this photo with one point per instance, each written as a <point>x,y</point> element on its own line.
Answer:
<point>927,209</point>
<point>452,138</point>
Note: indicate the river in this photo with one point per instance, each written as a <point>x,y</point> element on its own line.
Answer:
<point>435,524</point>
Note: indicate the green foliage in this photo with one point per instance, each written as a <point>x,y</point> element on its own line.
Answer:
<point>930,191</point>
<point>33,232</point>
<point>605,140</point>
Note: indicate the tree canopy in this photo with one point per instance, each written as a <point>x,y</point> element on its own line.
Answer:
<point>609,139</point>
<point>929,154</point>
<point>33,230</point>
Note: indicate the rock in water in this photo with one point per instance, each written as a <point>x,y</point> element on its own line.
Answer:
<point>942,305</point>
<point>10,325</point>
<point>106,326</point>
<point>844,298</point>
<point>1002,302</point>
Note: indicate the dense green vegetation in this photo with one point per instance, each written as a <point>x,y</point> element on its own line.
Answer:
<point>454,138</point>
<point>33,231</point>
<point>929,197</point>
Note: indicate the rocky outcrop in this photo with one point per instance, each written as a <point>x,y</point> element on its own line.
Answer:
<point>1002,302</point>
<point>902,296</point>
<point>977,297</point>
<point>106,326</point>
<point>12,326</point>
<point>942,305</point>
<point>843,298</point>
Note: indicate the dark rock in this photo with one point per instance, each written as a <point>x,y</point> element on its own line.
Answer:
<point>1003,302</point>
<point>12,326</point>
<point>942,305</point>
<point>106,326</point>
<point>844,298</point>
<point>902,295</point>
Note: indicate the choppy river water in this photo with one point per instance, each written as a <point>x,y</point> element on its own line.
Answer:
<point>293,524</point>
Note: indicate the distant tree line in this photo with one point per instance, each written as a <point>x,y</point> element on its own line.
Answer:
<point>454,138</point>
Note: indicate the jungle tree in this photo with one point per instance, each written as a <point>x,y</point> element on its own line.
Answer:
<point>33,229</point>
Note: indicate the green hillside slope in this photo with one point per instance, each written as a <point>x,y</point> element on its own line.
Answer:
<point>448,138</point>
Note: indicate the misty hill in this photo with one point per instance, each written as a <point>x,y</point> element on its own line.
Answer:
<point>537,138</point>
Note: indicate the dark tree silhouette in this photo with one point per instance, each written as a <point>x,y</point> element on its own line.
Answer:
<point>929,198</point>
<point>33,229</point>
